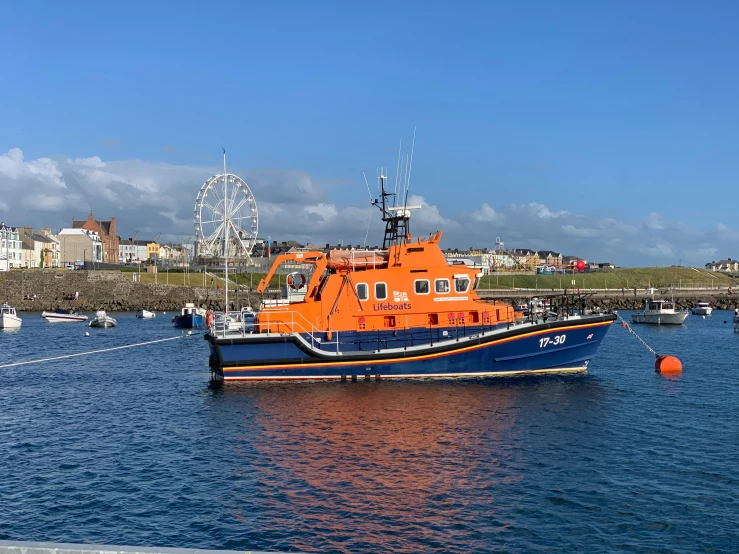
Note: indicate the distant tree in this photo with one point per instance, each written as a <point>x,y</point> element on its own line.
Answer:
<point>41,261</point>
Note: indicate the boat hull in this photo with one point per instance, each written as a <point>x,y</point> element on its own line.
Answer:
<point>62,318</point>
<point>145,314</point>
<point>561,346</point>
<point>702,311</point>
<point>10,322</point>
<point>660,319</point>
<point>188,321</point>
<point>107,324</point>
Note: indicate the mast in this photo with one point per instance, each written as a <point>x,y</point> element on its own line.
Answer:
<point>226,223</point>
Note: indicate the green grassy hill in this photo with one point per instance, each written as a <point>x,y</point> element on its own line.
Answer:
<point>659,277</point>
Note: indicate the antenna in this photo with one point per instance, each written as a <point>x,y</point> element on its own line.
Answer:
<point>410,167</point>
<point>369,192</point>
<point>397,171</point>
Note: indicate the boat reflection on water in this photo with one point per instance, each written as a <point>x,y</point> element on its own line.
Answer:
<point>367,459</point>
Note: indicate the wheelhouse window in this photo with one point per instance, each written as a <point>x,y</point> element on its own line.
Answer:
<point>476,283</point>
<point>461,283</point>
<point>380,291</point>
<point>362,291</point>
<point>441,286</point>
<point>421,286</point>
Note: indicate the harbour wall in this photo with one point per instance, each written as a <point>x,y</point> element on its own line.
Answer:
<point>107,290</point>
<point>615,300</point>
<point>115,291</point>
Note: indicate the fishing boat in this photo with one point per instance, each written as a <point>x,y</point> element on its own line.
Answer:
<point>190,317</point>
<point>61,315</point>
<point>145,314</point>
<point>659,312</point>
<point>701,308</point>
<point>102,320</point>
<point>400,312</point>
<point>9,318</point>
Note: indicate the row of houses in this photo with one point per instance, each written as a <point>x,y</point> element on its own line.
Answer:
<point>522,259</point>
<point>85,241</point>
<point>727,266</point>
<point>21,247</point>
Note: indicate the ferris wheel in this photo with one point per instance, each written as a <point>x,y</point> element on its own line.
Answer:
<point>225,217</point>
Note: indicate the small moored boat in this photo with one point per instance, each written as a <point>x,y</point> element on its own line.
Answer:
<point>190,317</point>
<point>63,316</point>
<point>8,318</point>
<point>102,320</point>
<point>659,312</point>
<point>702,308</point>
<point>145,314</point>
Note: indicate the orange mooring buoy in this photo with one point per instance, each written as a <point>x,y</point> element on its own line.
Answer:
<point>668,364</point>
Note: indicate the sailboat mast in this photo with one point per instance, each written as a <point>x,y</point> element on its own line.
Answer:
<point>226,223</point>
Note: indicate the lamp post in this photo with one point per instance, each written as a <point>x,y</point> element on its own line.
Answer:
<point>84,258</point>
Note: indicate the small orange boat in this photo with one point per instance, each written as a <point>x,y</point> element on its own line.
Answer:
<point>402,311</point>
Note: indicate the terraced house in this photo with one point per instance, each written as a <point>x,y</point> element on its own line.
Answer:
<point>11,247</point>
<point>107,233</point>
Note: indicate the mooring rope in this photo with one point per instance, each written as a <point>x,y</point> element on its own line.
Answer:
<point>641,340</point>
<point>15,364</point>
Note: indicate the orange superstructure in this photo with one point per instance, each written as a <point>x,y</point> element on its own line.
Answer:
<point>409,285</point>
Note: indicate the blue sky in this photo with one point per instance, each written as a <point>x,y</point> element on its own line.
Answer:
<point>623,112</point>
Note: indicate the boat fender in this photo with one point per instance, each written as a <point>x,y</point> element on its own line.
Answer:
<point>208,319</point>
<point>328,335</point>
<point>668,364</point>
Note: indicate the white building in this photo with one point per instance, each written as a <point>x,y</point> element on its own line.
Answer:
<point>11,247</point>
<point>79,246</point>
<point>133,251</point>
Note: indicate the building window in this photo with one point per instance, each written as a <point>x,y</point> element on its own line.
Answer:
<point>380,291</point>
<point>421,286</point>
<point>441,286</point>
<point>362,291</point>
<point>461,283</point>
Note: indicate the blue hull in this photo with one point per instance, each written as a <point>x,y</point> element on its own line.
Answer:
<point>189,321</point>
<point>564,345</point>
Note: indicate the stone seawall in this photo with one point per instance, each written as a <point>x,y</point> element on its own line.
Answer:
<point>717,302</point>
<point>108,290</point>
<point>115,291</point>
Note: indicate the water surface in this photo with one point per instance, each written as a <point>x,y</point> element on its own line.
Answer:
<point>134,447</point>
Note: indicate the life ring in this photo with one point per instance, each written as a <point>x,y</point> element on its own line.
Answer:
<point>296,280</point>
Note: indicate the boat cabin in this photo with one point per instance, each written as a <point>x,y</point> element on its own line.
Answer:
<point>7,310</point>
<point>659,305</point>
<point>408,285</point>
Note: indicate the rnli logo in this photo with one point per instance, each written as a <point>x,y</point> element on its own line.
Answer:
<point>400,302</point>
<point>400,296</point>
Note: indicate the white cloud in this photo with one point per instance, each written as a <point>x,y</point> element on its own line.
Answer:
<point>727,233</point>
<point>486,214</point>
<point>579,231</point>
<point>654,221</point>
<point>661,250</point>
<point>155,197</point>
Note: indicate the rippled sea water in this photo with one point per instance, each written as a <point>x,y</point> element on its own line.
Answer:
<point>134,447</point>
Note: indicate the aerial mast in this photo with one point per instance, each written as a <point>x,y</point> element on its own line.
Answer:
<point>226,225</point>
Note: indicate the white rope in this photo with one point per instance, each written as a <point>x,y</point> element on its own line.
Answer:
<point>633,333</point>
<point>14,364</point>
